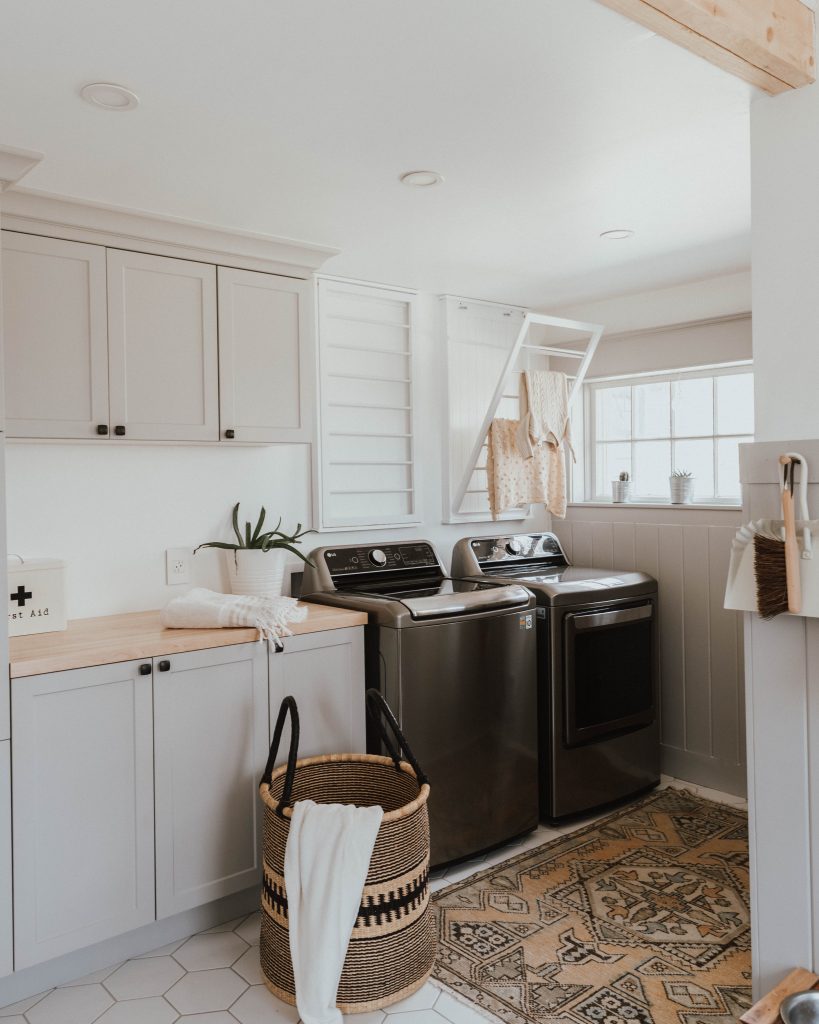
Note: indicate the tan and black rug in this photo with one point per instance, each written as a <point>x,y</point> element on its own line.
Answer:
<point>640,918</point>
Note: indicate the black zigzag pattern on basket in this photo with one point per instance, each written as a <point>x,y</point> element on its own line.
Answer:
<point>390,906</point>
<point>380,909</point>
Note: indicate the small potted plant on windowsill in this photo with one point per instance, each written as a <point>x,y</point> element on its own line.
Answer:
<point>255,562</point>
<point>681,484</point>
<point>620,489</point>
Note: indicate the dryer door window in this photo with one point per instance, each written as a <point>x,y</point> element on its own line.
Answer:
<point>610,672</point>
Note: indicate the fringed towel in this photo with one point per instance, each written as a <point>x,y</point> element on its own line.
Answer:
<point>206,609</point>
<point>514,480</point>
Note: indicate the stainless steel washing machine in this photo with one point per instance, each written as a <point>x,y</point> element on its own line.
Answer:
<point>598,669</point>
<point>457,661</point>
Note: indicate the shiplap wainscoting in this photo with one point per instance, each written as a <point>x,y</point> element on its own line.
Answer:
<point>701,648</point>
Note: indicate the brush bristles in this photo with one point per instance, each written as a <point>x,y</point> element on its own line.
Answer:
<point>771,577</point>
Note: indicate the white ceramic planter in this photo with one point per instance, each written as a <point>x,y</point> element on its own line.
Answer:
<point>254,572</point>
<point>682,489</point>
<point>620,491</point>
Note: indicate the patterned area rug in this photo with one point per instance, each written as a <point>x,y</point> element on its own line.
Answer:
<point>640,918</point>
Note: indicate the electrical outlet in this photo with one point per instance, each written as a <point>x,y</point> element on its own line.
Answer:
<point>178,565</point>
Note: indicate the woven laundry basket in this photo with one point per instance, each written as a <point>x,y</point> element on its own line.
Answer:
<point>393,944</point>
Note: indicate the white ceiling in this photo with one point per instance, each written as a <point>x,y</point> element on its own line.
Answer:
<point>552,120</point>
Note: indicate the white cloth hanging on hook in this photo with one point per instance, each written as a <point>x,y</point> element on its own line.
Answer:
<point>544,411</point>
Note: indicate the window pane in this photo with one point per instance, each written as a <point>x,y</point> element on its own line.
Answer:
<point>612,413</point>
<point>652,417</point>
<point>612,459</point>
<point>652,466</point>
<point>728,466</point>
<point>697,457</point>
<point>735,403</point>
<point>693,405</point>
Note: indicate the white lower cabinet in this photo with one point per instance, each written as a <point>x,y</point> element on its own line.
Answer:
<point>6,934</point>
<point>83,818</point>
<point>324,672</point>
<point>211,743</point>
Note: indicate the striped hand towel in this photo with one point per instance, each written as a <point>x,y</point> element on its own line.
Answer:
<point>206,609</point>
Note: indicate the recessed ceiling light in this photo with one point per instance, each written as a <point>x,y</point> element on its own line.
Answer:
<point>109,96</point>
<point>421,179</point>
<point>617,233</point>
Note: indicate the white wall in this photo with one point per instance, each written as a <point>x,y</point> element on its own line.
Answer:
<point>782,656</point>
<point>111,509</point>
<point>723,295</point>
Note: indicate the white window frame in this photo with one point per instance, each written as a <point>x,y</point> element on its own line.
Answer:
<point>598,492</point>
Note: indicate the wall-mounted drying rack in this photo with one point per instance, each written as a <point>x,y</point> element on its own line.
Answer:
<point>593,334</point>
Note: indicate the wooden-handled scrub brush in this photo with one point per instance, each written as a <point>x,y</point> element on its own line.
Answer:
<point>776,562</point>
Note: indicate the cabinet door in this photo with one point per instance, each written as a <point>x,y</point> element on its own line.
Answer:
<point>6,946</point>
<point>82,744</point>
<point>55,337</point>
<point>263,356</point>
<point>211,722</point>
<point>325,673</point>
<point>162,347</point>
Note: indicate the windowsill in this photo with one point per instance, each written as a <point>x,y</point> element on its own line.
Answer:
<point>655,504</point>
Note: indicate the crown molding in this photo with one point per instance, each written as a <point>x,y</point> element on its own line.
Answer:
<point>40,213</point>
<point>15,163</point>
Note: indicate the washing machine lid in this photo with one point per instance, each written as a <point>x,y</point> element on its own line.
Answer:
<point>577,584</point>
<point>450,597</point>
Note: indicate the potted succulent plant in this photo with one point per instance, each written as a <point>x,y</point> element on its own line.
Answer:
<point>256,560</point>
<point>681,483</point>
<point>621,488</point>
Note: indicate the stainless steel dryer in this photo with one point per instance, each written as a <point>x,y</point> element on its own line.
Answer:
<point>457,662</point>
<point>597,669</point>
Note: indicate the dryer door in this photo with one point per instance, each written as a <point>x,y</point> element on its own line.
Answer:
<point>610,676</point>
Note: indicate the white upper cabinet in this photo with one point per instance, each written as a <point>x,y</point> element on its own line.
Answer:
<point>55,331</point>
<point>162,348</point>
<point>83,808</point>
<point>263,364</point>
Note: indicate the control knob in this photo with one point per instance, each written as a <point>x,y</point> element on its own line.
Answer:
<point>514,546</point>
<point>378,558</point>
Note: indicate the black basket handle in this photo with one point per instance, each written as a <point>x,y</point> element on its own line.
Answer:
<point>378,707</point>
<point>287,705</point>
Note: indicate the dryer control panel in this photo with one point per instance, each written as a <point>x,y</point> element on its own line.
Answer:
<point>519,547</point>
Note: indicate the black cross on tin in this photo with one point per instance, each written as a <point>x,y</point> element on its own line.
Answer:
<point>21,596</point>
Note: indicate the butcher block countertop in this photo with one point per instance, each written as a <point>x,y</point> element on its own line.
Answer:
<point>114,638</point>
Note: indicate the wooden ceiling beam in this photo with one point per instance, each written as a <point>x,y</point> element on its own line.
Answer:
<point>769,43</point>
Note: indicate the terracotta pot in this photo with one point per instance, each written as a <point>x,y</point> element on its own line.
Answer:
<point>255,572</point>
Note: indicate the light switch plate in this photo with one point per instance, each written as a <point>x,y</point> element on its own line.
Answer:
<point>178,565</point>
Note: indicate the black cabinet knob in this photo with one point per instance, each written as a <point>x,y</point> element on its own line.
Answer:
<point>278,646</point>
<point>119,431</point>
<point>144,670</point>
<point>102,429</point>
<point>230,434</point>
<point>164,666</point>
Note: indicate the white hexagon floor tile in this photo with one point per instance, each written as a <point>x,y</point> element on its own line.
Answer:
<point>80,1005</point>
<point>455,1011</point>
<point>201,991</point>
<point>139,979</point>
<point>140,1011</point>
<point>423,999</point>
<point>249,929</point>
<point>249,968</point>
<point>19,1008</point>
<point>210,950</point>
<point>220,1017</point>
<point>259,1006</point>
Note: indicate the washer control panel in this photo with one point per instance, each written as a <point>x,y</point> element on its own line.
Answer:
<point>386,557</point>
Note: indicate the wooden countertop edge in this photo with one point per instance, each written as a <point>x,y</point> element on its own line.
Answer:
<point>131,636</point>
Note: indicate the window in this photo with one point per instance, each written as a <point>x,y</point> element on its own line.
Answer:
<point>652,425</point>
